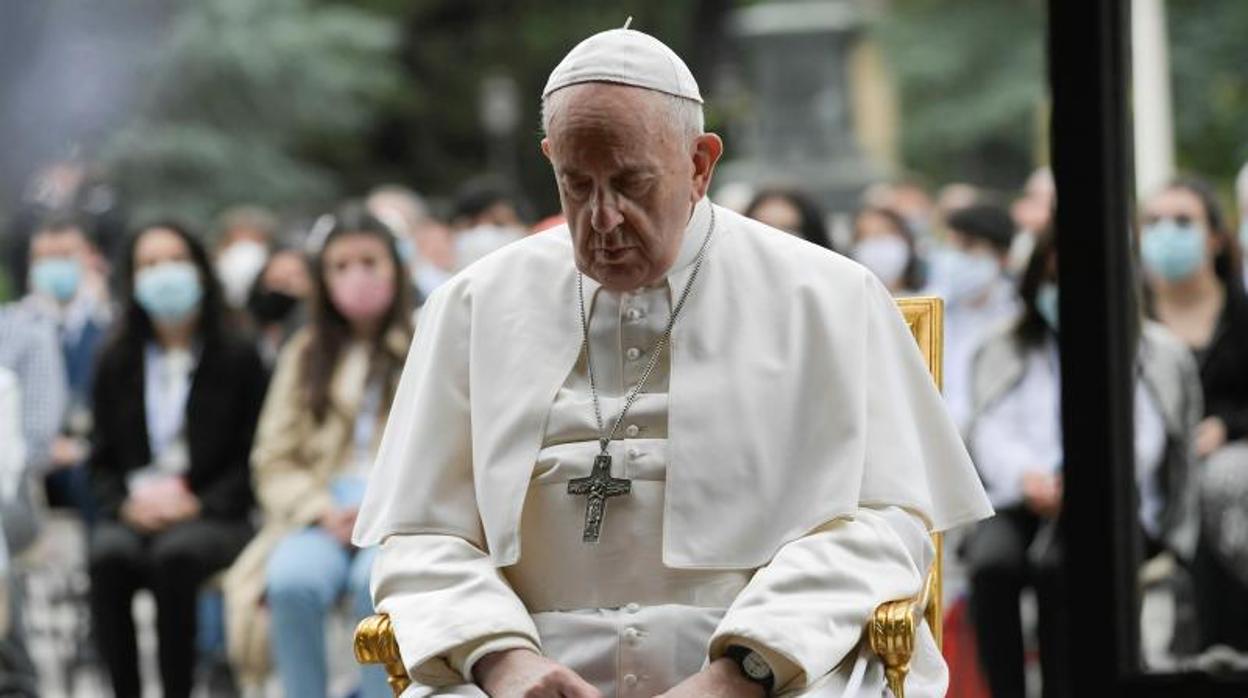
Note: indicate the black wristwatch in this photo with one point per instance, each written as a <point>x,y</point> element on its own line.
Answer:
<point>753,666</point>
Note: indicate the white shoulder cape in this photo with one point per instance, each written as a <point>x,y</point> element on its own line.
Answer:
<point>797,394</point>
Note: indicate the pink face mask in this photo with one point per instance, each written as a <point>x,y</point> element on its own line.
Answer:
<point>361,295</point>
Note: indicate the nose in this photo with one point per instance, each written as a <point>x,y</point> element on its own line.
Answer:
<point>605,213</point>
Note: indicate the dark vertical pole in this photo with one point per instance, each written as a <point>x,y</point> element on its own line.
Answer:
<point>1089,65</point>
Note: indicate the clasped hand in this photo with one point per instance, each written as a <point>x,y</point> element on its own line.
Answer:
<point>158,504</point>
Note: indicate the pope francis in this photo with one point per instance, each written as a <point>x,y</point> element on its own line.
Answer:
<point>661,450</point>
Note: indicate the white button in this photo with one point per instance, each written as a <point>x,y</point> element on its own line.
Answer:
<point>634,453</point>
<point>631,632</point>
<point>633,430</point>
<point>633,353</point>
<point>633,314</point>
<point>632,608</point>
<point>630,680</point>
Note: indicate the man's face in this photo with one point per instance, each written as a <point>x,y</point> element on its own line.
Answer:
<point>627,181</point>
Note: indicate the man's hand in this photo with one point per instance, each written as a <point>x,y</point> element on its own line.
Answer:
<point>721,678</point>
<point>1042,493</point>
<point>522,673</point>
<point>1210,436</point>
<point>339,523</point>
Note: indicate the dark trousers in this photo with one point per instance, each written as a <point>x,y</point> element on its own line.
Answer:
<point>1221,601</point>
<point>1001,564</point>
<point>173,564</point>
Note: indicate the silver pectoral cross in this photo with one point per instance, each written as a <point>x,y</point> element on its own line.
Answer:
<point>599,486</point>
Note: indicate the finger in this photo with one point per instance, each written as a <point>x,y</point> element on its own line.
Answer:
<point>576,687</point>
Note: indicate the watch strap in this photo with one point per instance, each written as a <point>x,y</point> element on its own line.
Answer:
<point>739,654</point>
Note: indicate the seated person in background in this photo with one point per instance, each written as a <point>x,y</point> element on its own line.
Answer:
<point>663,449</point>
<point>792,211</point>
<point>314,449</point>
<point>1015,439</point>
<point>67,291</point>
<point>884,244</point>
<point>1191,265</point>
<point>969,272</point>
<point>277,302</point>
<point>176,400</point>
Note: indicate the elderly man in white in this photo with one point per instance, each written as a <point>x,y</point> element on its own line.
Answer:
<point>663,449</point>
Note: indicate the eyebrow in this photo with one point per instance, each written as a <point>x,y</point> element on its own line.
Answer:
<point>631,171</point>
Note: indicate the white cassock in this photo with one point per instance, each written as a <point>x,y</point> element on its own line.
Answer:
<point>788,458</point>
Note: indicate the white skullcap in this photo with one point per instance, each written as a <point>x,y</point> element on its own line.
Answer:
<point>626,57</point>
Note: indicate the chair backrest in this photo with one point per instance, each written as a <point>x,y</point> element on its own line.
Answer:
<point>925,316</point>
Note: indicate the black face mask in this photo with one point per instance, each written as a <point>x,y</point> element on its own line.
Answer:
<point>271,307</point>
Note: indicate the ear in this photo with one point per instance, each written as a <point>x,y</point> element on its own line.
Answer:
<point>707,148</point>
<point>546,148</point>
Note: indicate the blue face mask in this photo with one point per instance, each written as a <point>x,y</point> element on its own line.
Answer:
<point>57,277</point>
<point>169,291</point>
<point>1046,303</point>
<point>1171,251</point>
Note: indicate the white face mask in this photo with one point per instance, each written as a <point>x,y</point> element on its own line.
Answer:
<point>886,257</point>
<point>475,243</point>
<point>963,276</point>
<point>237,268</point>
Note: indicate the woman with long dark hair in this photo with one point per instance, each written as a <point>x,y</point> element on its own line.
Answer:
<point>315,445</point>
<point>1192,265</point>
<point>175,405</point>
<point>1015,439</point>
<point>792,211</point>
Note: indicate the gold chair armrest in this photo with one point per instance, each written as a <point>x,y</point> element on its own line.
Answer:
<point>891,633</point>
<point>375,644</point>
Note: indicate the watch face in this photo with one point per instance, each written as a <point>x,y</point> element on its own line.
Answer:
<point>755,667</point>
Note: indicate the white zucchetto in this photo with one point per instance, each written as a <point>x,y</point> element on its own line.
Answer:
<point>626,57</point>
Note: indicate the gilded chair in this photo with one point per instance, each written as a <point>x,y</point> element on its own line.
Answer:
<point>892,628</point>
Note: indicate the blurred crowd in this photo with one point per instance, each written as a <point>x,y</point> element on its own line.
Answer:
<point>207,404</point>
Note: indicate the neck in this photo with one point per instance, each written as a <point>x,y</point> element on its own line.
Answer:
<point>175,336</point>
<point>1199,287</point>
<point>365,330</point>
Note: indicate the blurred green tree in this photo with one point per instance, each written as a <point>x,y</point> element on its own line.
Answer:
<point>1209,71</point>
<point>433,139</point>
<point>261,102</point>
<point>972,83</point>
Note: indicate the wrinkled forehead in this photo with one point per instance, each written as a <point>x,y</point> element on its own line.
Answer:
<point>602,107</point>
<point>602,122</point>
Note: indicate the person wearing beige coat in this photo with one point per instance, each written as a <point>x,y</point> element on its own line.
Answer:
<point>312,454</point>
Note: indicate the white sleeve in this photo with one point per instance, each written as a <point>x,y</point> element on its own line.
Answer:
<point>1000,450</point>
<point>443,594</point>
<point>807,608</point>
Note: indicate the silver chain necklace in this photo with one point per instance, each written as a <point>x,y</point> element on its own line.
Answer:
<point>599,485</point>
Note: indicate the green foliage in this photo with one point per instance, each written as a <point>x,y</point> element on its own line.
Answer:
<point>435,139</point>
<point>254,102</point>
<point>1209,70</point>
<point>972,82</point>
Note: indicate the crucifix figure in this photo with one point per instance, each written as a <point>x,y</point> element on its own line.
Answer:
<point>598,486</point>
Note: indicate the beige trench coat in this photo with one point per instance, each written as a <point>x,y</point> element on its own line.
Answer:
<point>293,462</point>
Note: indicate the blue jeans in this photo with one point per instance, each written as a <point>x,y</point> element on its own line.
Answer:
<point>308,572</point>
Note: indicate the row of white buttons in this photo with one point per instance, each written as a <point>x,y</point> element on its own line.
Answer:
<point>633,634</point>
